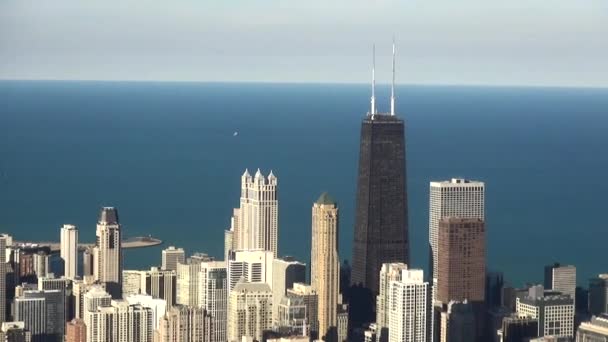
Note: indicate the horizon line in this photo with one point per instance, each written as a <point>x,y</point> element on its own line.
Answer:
<point>362,83</point>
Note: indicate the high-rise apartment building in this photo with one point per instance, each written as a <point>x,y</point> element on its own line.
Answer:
<point>93,299</point>
<point>561,278</point>
<point>3,266</point>
<point>325,264</point>
<point>257,226</point>
<point>108,254</point>
<point>254,266</point>
<point>388,273</point>
<point>158,307</point>
<point>554,312</point>
<point>462,260</point>
<point>184,323</point>
<point>596,330</point>
<point>381,221</point>
<point>598,294</point>
<point>79,288</point>
<point>213,297</point>
<point>285,272</point>
<point>187,279</point>
<point>88,262</point>
<point>249,311</point>
<point>69,250</point>
<point>309,297</point>
<point>76,331</point>
<point>158,283</point>
<point>171,257</point>
<point>120,322</point>
<point>409,317</point>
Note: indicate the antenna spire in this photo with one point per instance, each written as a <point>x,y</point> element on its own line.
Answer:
<point>373,104</point>
<point>393,84</point>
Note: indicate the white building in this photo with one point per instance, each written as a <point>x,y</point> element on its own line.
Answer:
<point>69,250</point>
<point>155,282</point>
<point>107,253</point>
<point>93,299</point>
<point>555,313</point>
<point>3,265</point>
<point>388,273</point>
<point>409,308</point>
<point>213,296</point>
<point>187,279</point>
<point>285,272</point>
<point>457,197</point>
<point>254,266</point>
<point>249,311</point>
<point>79,288</point>
<point>561,278</point>
<point>171,257</point>
<point>257,226</point>
<point>120,322</point>
<point>183,323</point>
<point>157,306</point>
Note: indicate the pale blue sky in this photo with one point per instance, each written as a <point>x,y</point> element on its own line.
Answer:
<point>516,42</point>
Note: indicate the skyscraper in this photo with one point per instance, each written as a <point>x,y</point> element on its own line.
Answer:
<point>158,283</point>
<point>257,226</point>
<point>555,312</point>
<point>76,331</point>
<point>187,279</point>
<point>3,289</point>
<point>458,198</point>
<point>184,324</point>
<point>249,311</point>
<point>120,322</point>
<point>457,323</point>
<point>462,260</point>
<point>158,307</point>
<point>389,273</point>
<point>213,296</point>
<point>285,272</point>
<point>43,313</point>
<point>596,330</point>
<point>171,257</point>
<point>409,308</point>
<point>108,253</point>
<point>325,264</point>
<point>381,222</point>
<point>69,250</point>
<point>561,278</point>
<point>254,266</point>
<point>598,294</point>
<point>309,297</point>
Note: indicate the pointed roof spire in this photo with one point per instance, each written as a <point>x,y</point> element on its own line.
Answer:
<point>373,104</point>
<point>246,173</point>
<point>393,83</point>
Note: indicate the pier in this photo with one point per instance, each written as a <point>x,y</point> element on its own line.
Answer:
<point>134,242</point>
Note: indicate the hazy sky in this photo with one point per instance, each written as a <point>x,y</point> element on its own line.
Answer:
<point>526,42</point>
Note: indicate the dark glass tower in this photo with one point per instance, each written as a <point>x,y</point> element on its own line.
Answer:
<point>381,224</point>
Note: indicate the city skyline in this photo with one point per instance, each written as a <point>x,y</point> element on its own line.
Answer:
<point>562,41</point>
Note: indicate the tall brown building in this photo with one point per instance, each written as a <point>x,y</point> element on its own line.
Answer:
<point>76,331</point>
<point>462,260</point>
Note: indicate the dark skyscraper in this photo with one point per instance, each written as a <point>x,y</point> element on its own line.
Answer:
<point>381,224</point>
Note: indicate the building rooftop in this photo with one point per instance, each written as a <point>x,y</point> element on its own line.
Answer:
<point>108,215</point>
<point>325,199</point>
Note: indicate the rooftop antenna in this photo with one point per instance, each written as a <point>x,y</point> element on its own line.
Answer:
<point>393,84</point>
<point>373,109</point>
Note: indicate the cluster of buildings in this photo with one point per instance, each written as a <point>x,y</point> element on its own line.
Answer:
<point>254,294</point>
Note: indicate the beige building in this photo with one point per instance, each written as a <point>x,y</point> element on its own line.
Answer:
<point>171,257</point>
<point>256,223</point>
<point>325,264</point>
<point>249,311</point>
<point>184,324</point>
<point>187,286</point>
<point>107,253</point>
<point>155,282</point>
<point>120,322</point>
<point>69,250</point>
<point>309,297</point>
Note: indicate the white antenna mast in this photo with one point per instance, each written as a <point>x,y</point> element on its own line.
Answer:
<point>373,109</point>
<point>393,84</point>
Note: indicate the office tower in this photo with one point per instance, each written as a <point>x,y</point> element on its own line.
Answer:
<point>258,213</point>
<point>494,284</point>
<point>254,266</point>
<point>292,316</point>
<point>309,297</point>
<point>158,283</point>
<point>213,296</point>
<point>183,323</point>
<point>409,308</point>
<point>598,294</point>
<point>554,311</point>
<point>461,261</point>
<point>108,253</point>
<point>249,311</point>
<point>518,329</point>
<point>457,323</point>
<point>561,278</point>
<point>43,313</point>
<point>325,264</point>
<point>187,279</point>
<point>88,261</point>
<point>65,286</point>
<point>342,318</point>
<point>285,272</point>
<point>158,307</point>
<point>76,331</point>
<point>69,250</point>
<point>14,332</point>
<point>596,330</point>
<point>3,288</point>
<point>388,273</point>
<point>458,198</point>
<point>381,221</point>
<point>171,257</point>
<point>120,322</point>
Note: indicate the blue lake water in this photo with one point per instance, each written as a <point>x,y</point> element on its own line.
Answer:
<point>166,156</point>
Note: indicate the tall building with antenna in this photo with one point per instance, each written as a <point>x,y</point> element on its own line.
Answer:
<point>107,253</point>
<point>381,222</point>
